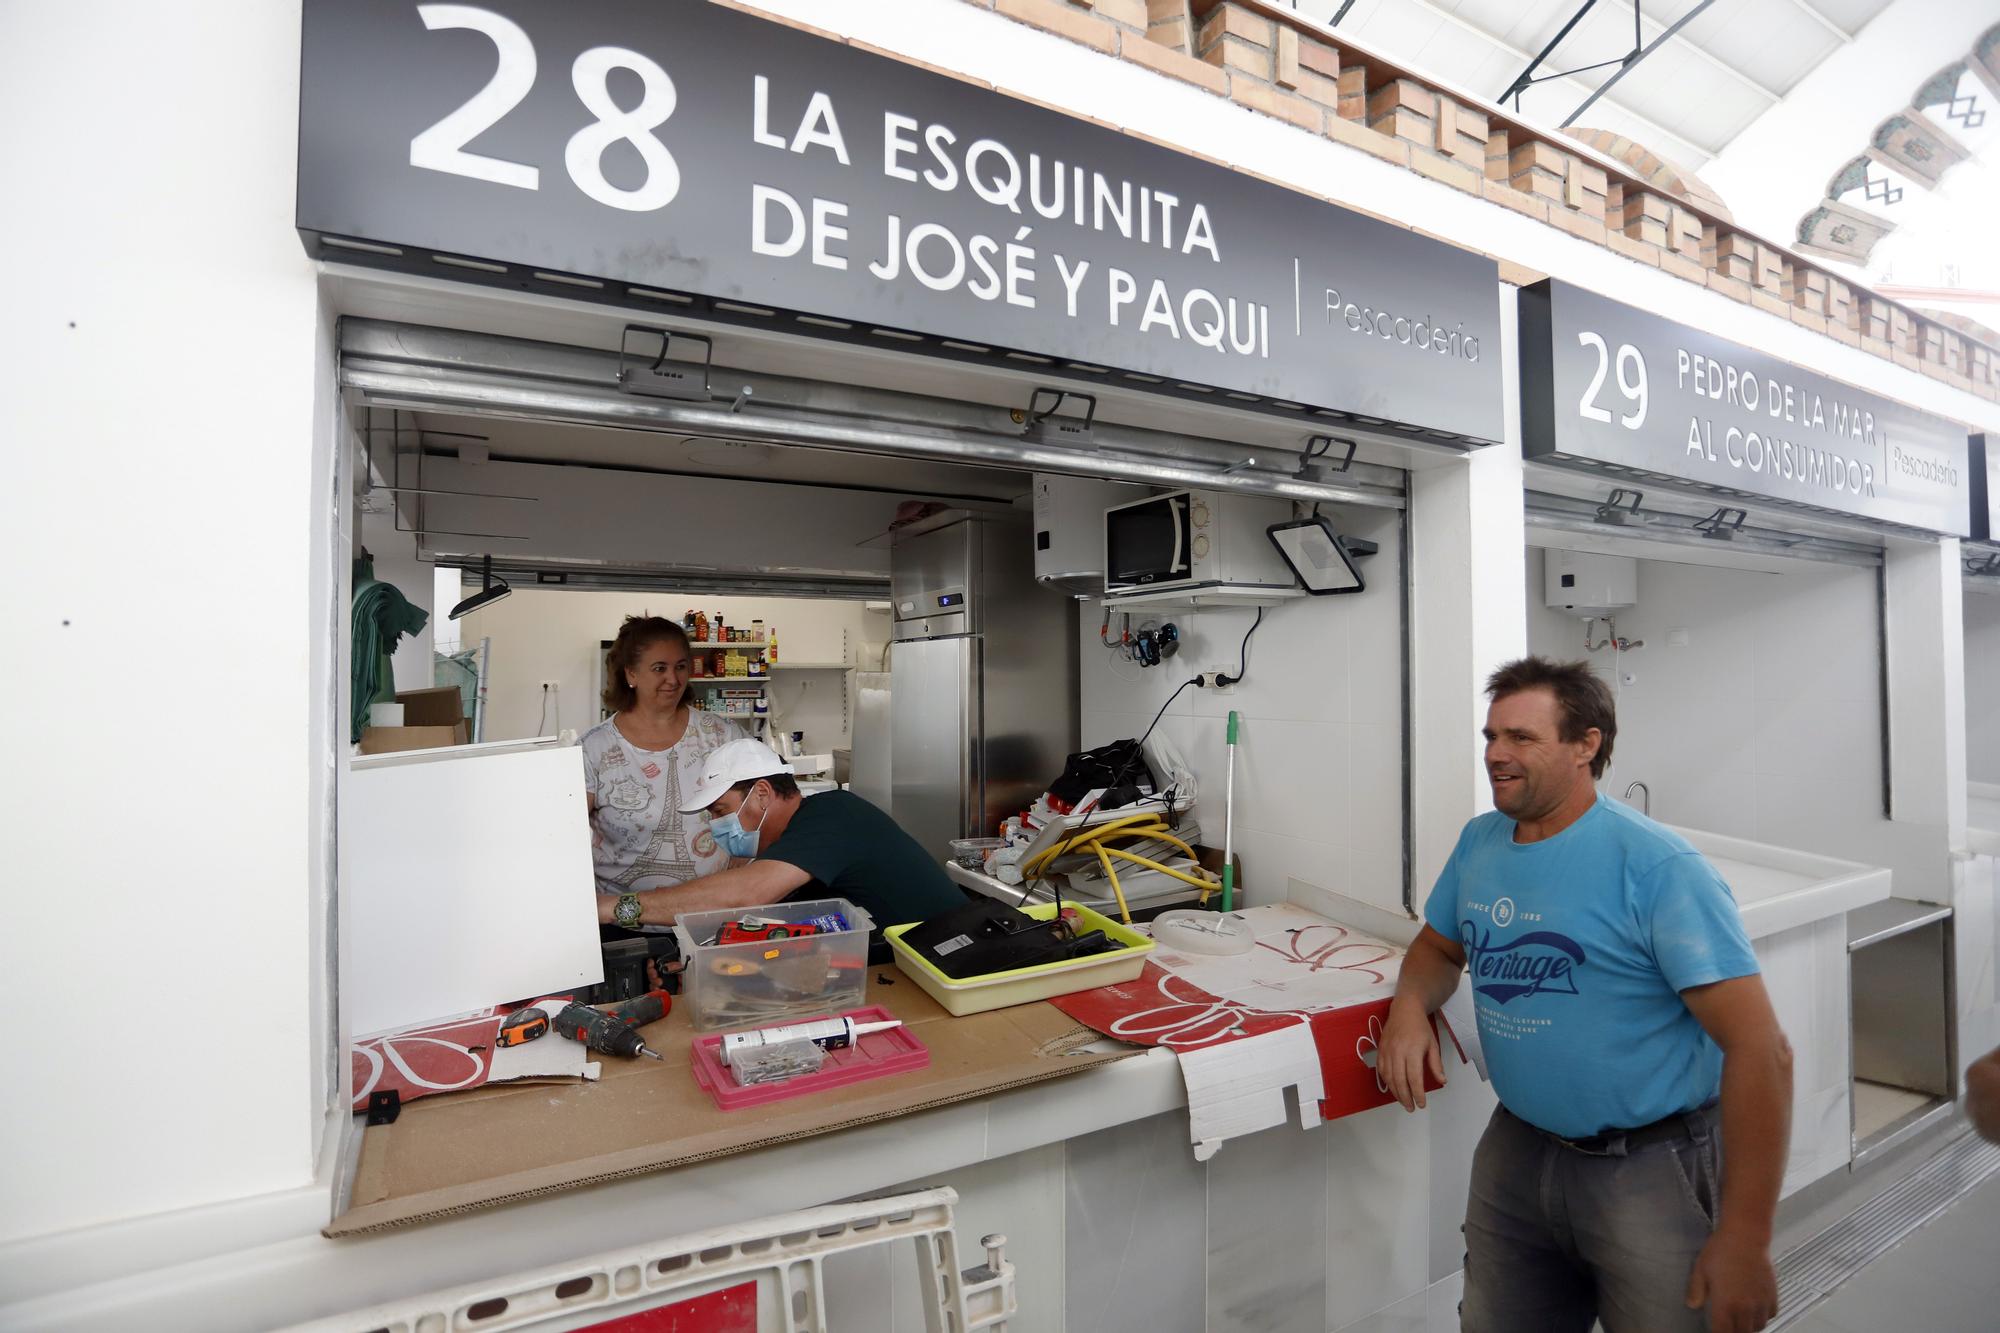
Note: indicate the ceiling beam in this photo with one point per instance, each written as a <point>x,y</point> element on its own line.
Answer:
<point>1631,62</point>
<point>1811,11</point>
<point>1709,57</point>
<point>1667,138</point>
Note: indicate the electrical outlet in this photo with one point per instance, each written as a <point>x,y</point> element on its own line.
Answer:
<point>551,684</point>
<point>1213,677</point>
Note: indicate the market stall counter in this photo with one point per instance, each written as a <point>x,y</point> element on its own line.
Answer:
<point>1295,1002</point>
<point>500,1144</point>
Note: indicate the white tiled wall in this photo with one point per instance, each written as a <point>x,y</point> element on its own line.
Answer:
<point>1982,687</point>
<point>1767,724</point>
<point>1319,778</point>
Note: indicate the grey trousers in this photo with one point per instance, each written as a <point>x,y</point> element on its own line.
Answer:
<point>1556,1237</point>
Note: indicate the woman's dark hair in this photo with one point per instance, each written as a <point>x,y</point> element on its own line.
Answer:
<point>1583,700</point>
<point>783,786</point>
<point>635,636</point>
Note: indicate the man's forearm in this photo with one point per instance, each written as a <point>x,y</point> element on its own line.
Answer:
<point>1428,976</point>
<point>726,888</point>
<point>1756,1134</point>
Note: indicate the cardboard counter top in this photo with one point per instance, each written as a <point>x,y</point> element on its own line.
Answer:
<point>452,1154</point>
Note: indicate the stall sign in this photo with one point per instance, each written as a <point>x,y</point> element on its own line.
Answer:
<point>1985,489</point>
<point>1609,387</point>
<point>686,148</point>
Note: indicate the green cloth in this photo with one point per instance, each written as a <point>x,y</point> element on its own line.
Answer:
<point>381,616</point>
<point>854,851</point>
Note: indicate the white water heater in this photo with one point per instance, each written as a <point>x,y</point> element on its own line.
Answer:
<point>1586,584</point>
<point>1069,530</point>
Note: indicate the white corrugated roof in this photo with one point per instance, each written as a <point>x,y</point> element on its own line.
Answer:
<point>1699,89</point>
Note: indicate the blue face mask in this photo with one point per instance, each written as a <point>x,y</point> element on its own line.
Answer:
<point>732,837</point>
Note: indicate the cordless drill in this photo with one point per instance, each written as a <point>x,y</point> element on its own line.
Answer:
<point>613,1030</point>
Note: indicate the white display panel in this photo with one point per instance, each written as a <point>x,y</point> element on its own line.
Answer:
<point>466,882</point>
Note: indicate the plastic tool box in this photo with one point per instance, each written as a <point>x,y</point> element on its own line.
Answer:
<point>761,982</point>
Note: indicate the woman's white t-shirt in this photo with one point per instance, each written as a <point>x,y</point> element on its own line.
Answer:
<point>639,838</point>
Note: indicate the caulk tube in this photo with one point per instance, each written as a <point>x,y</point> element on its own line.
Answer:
<point>829,1034</point>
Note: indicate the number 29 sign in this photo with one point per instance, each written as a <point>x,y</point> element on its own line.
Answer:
<point>1610,388</point>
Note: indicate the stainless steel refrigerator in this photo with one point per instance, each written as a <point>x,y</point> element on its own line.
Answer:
<point>983,691</point>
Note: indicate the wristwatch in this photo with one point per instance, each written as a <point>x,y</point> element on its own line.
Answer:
<point>626,913</point>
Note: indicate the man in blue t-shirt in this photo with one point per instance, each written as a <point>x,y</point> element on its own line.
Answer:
<point>1618,1001</point>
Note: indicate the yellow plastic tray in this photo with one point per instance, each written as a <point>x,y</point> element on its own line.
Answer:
<point>1022,985</point>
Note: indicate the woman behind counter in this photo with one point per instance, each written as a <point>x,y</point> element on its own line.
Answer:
<point>633,764</point>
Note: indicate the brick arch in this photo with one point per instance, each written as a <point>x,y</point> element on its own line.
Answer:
<point>1657,170</point>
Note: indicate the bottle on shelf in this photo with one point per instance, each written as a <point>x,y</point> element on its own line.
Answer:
<point>721,629</point>
<point>701,626</point>
<point>687,623</point>
<point>756,631</point>
<point>771,648</point>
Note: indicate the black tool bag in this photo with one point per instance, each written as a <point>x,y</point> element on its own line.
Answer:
<point>1120,764</point>
<point>987,936</point>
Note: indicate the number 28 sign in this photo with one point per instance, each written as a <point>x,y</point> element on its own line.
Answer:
<point>745,170</point>
<point>442,146</point>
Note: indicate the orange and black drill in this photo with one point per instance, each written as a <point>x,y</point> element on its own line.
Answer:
<point>610,1030</point>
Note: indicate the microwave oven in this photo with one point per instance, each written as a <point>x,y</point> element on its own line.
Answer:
<point>1194,539</point>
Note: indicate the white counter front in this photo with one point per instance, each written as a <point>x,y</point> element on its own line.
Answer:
<point>1982,817</point>
<point>1794,906</point>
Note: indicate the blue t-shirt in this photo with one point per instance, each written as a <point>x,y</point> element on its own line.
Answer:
<point>1578,947</point>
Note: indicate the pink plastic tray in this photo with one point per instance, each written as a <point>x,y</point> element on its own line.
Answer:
<point>876,1055</point>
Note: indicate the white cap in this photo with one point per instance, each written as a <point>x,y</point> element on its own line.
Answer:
<point>727,765</point>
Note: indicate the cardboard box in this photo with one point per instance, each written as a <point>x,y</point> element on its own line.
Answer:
<point>441,706</point>
<point>431,718</point>
<point>449,1154</point>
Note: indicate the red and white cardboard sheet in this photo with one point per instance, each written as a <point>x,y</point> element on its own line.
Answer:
<point>460,1053</point>
<point>1302,1009</point>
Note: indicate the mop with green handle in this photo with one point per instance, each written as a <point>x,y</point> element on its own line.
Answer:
<point>1229,824</point>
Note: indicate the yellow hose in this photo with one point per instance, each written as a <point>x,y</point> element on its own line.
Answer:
<point>1073,843</point>
<point>1206,886</point>
<point>1134,826</point>
<point>1118,893</point>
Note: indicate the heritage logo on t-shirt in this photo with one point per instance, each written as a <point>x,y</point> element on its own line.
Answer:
<point>1542,962</point>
